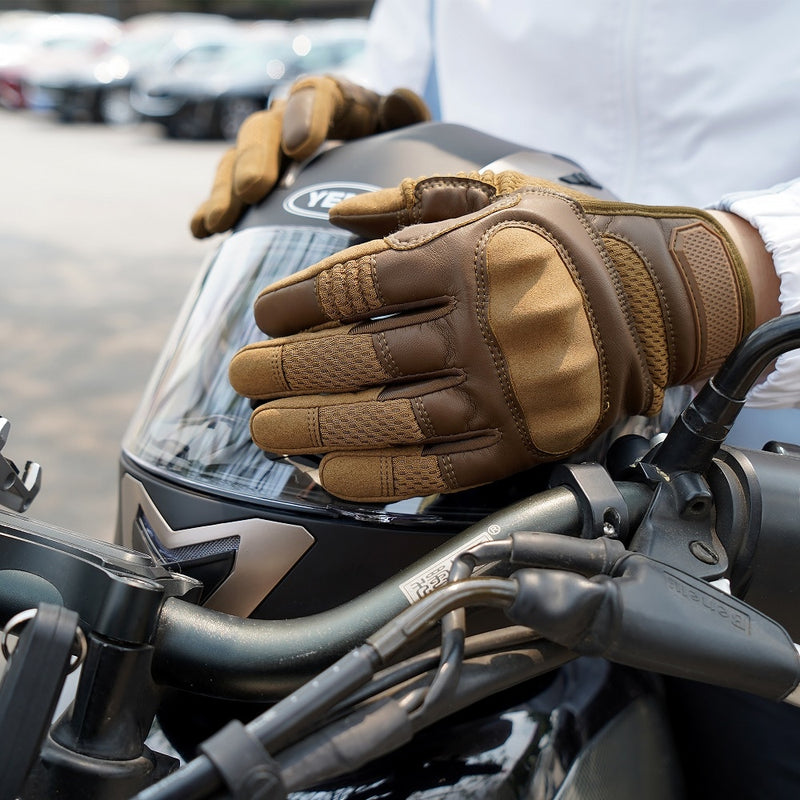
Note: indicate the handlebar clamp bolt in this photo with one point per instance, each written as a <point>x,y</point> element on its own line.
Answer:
<point>702,552</point>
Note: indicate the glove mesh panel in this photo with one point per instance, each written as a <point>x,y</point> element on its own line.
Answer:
<point>700,251</point>
<point>647,313</point>
<point>412,472</point>
<point>391,422</point>
<point>309,365</point>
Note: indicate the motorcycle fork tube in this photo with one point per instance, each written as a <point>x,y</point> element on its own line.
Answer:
<point>97,747</point>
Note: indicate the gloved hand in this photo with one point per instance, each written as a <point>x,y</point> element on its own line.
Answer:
<point>317,108</point>
<point>512,331</point>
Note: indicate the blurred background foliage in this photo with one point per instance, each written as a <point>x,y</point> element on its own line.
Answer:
<point>240,9</point>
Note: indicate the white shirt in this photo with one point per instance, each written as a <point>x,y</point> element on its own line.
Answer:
<point>662,101</point>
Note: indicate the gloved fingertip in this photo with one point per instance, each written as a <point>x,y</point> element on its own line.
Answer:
<point>258,131</point>
<point>389,200</point>
<point>285,430</point>
<point>307,117</point>
<point>300,143</point>
<point>400,108</point>
<point>221,219</point>
<point>252,185</point>
<point>198,224</point>
<point>365,478</point>
<point>254,371</point>
<point>254,125</point>
<point>255,168</point>
<point>381,476</point>
<point>372,214</point>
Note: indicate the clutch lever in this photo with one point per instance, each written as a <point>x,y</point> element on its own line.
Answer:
<point>646,614</point>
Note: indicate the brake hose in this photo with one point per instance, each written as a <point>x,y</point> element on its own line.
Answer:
<point>276,727</point>
<point>697,434</point>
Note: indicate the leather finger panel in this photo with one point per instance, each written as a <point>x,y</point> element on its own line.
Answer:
<point>382,476</point>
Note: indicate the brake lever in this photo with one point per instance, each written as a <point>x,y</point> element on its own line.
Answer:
<point>17,491</point>
<point>652,616</point>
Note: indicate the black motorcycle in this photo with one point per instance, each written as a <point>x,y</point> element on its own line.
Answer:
<point>251,636</point>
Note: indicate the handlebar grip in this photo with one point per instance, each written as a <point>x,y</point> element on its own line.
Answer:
<point>651,616</point>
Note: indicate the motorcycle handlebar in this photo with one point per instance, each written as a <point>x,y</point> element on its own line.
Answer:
<point>121,595</point>
<point>126,597</point>
<point>218,654</point>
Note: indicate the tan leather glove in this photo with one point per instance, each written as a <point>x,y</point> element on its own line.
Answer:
<point>511,332</point>
<point>317,108</point>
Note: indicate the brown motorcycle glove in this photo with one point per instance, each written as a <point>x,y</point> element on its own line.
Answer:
<point>317,108</point>
<point>511,327</point>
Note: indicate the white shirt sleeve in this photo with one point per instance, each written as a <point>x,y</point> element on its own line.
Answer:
<point>399,48</point>
<point>775,213</point>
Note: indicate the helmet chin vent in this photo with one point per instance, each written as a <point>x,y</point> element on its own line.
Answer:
<point>180,555</point>
<point>210,562</point>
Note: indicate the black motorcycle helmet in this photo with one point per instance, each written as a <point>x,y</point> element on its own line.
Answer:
<point>260,533</point>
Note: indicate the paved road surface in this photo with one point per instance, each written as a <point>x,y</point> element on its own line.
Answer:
<point>95,260</point>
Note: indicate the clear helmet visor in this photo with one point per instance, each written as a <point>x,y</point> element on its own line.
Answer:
<point>191,426</point>
<point>193,429</point>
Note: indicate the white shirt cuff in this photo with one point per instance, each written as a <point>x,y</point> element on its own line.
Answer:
<point>775,213</point>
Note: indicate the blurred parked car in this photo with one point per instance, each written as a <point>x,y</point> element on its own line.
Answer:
<point>201,55</point>
<point>16,39</point>
<point>99,89</point>
<point>209,95</point>
<point>52,42</point>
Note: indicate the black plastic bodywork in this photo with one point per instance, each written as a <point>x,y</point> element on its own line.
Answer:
<point>350,551</point>
<point>534,741</point>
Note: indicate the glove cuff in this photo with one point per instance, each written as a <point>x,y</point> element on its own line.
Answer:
<point>686,284</point>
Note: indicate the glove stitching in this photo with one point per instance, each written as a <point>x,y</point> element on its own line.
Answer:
<point>389,364</point>
<point>457,181</point>
<point>415,210</point>
<point>458,222</point>
<point>386,477</point>
<point>314,433</point>
<point>373,268</point>
<point>279,370</point>
<point>448,472</point>
<point>405,213</point>
<point>423,420</point>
